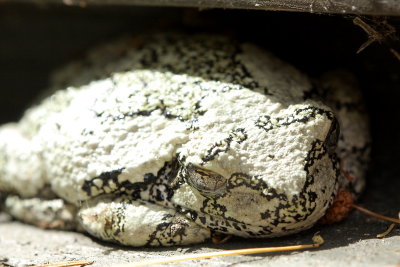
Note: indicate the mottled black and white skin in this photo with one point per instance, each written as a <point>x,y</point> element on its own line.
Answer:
<point>166,139</point>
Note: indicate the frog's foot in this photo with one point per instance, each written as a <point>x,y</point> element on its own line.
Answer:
<point>138,223</point>
<point>53,214</point>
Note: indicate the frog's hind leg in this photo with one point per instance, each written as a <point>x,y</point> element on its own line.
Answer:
<point>137,223</point>
<point>52,214</point>
<point>24,182</point>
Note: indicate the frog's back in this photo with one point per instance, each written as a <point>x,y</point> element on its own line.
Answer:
<point>129,105</point>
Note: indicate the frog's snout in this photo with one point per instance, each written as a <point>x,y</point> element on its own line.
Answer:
<point>332,137</point>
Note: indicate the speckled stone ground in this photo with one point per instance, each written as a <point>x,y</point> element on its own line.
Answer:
<point>351,243</point>
<point>36,39</point>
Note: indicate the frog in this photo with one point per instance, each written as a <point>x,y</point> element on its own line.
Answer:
<point>169,139</point>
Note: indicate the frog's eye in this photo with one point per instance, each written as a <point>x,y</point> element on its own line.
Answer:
<point>207,182</point>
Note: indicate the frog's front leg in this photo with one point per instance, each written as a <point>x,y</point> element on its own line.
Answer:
<point>137,223</point>
<point>53,214</point>
<point>341,92</point>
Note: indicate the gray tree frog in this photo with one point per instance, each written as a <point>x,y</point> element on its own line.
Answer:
<point>168,138</point>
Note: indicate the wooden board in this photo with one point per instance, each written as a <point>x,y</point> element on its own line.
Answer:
<point>360,7</point>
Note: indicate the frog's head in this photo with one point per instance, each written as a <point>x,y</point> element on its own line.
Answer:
<point>261,175</point>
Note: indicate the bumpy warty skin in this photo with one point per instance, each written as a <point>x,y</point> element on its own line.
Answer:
<point>161,139</point>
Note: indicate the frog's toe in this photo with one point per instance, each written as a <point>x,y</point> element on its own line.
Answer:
<point>53,214</point>
<point>138,223</point>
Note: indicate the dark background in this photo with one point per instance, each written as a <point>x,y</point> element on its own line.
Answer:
<point>35,40</point>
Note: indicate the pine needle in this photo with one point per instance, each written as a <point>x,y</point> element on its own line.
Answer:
<point>377,215</point>
<point>223,253</point>
<point>66,264</point>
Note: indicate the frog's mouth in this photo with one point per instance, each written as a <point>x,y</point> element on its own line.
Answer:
<point>226,205</point>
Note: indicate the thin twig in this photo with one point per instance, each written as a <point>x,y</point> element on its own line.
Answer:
<point>382,235</point>
<point>381,31</point>
<point>377,215</point>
